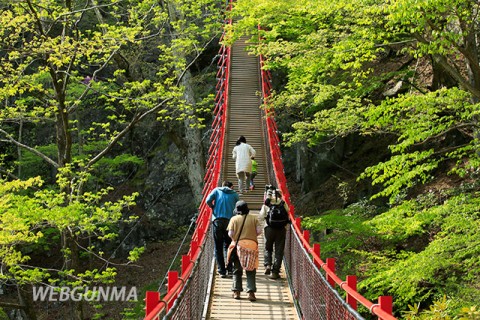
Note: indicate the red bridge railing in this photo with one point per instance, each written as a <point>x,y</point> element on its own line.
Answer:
<point>186,293</point>
<point>314,293</point>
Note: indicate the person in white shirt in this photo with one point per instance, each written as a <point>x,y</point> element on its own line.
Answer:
<point>242,154</point>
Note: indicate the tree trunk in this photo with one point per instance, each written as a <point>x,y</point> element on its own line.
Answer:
<point>472,60</point>
<point>193,138</point>
<point>19,149</point>
<point>71,261</point>
<point>27,303</point>
<point>441,78</point>
<point>300,162</point>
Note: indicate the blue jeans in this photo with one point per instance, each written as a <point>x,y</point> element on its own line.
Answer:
<point>221,242</point>
<point>252,176</point>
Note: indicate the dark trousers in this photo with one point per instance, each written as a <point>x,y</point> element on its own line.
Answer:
<point>221,242</point>
<point>274,244</point>
<point>237,284</point>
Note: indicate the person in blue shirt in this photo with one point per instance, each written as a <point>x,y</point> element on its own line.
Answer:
<point>222,201</point>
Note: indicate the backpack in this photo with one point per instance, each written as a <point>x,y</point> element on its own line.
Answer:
<point>277,216</point>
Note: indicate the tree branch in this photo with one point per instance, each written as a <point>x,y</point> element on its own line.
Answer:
<point>442,60</point>
<point>121,134</point>
<point>32,150</point>
<point>86,9</point>
<point>437,136</point>
<point>11,305</point>
<point>9,174</point>
<point>37,18</point>
<point>194,59</point>
<point>88,86</point>
<point>103,259</point>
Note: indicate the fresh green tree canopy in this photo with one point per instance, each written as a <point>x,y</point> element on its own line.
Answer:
<point>76,76</point>
<point>403,70</point>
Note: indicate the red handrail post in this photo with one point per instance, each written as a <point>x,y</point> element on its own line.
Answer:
<point>185,263</point>
<point>172,279</point>
<point>152,299</point>
<point>386,304</point>
<point>171,282</point>
<point>306,236</point>
<point>193,248</point>
<point>352,283</point>
<point>331,266</point>
<point>316,250</point>
<point>298,222</point>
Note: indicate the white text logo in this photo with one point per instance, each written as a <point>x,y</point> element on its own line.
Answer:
<point>84,293</point>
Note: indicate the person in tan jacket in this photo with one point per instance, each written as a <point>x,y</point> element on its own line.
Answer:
<point>244,230</point>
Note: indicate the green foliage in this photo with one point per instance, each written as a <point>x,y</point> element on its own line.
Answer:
<point>418,251</point>
<point>333,56</point>
<point>400,172</point>
<point>75,79</point>
<point>62,64</point>
<point>322,46</point>
<point>448,263</point>
<point>134,255</point>
<point>3,315</point>
<point>419,122</point>
<point>408,219</point>
<point>348,231</point>
<point>37,217</point>
<point>120,166</point>
<point>441,309</point>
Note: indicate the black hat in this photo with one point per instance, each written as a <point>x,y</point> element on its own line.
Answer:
<point>241,207</point>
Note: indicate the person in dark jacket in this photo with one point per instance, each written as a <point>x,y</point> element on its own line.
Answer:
<point>274,237</point>
<point>222,201</point>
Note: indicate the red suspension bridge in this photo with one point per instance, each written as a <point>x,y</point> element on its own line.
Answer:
<point>310,288</point>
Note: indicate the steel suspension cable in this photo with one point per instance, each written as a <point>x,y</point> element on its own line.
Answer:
<point>192,222</point>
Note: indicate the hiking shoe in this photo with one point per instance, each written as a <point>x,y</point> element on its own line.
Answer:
<point>275,276</point>
<point>222,274</point>
<point>251,296</point>
<point>268,270</point>
<point>229,273</point>
<point>236,295</point>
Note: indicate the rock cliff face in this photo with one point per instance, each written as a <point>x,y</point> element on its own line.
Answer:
<point>325,177</point>
<point>169,201</point>
<point>166,203</point>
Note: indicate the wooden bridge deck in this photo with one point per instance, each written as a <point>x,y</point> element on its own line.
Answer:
<point>274,300</point>
<point>245,117</point>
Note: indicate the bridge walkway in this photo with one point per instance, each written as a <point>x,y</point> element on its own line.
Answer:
<point>274,300</point>
<point>245,117</point>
